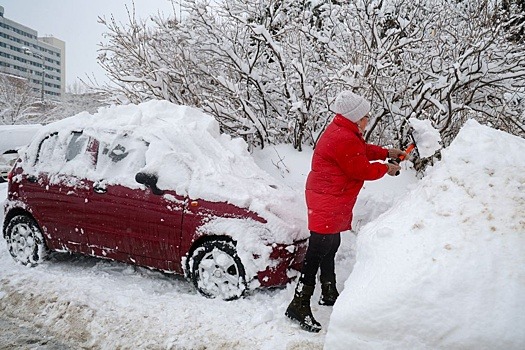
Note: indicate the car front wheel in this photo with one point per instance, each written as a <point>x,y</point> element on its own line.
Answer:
<point>25,241</point>
<point>217,270</point>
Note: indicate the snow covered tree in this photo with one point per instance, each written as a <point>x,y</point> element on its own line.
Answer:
<point>253,65</point>
<point>433,59</point>
<point>71,104</point>
<point>18,103</point>
<point>143,63</point>
<point>266,65</point>
<point>514,10</point>
<point>269,70</point>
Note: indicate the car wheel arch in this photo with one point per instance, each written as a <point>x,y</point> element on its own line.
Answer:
<point>216,270</point>
<point>25,239</point>
<point>15,212</point>
<point>199,242</point>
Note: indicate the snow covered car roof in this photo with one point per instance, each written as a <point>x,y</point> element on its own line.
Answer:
<point>188,153</point>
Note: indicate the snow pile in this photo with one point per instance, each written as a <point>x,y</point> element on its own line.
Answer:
<point>444,268</point>
<point>377,197</point>
<point>427,139</point>
<point>187,152</point>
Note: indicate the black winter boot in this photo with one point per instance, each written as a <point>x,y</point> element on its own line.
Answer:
<point>299,309</point>
<point>329,293</point>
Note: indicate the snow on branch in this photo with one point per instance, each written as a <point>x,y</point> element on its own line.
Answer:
<point>269,71</point>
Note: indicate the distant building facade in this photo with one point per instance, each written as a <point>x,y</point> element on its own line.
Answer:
<point>39,60</point>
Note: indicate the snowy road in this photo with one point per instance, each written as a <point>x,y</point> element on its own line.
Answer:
<point>99,304</point>
<point>19,335</point>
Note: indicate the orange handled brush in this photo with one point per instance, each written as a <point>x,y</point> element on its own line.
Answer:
<point>402,157</point>
<point>407,151</point>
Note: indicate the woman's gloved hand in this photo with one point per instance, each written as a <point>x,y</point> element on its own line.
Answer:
<point>394,153</point>
<point>393,169</point>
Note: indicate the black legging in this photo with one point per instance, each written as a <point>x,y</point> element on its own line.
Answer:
<point>320,254</point>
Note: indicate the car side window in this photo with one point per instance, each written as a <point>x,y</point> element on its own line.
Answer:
<point>49,153</point>
<point>76,145</point>
<point>79,158</point>
<point>121,158</point>
<point>66,153</point>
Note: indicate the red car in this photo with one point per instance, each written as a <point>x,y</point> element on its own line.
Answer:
<point>155,185</point>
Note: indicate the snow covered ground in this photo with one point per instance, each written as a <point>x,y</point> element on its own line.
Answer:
<point>432,264</point>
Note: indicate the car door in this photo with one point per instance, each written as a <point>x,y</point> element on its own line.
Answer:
<point>129,222</point>
<point>56,194</point>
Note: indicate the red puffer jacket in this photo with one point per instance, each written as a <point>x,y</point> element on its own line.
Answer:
<point>340,165</point>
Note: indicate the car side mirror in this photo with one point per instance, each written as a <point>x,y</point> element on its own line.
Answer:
<point>149,180</point>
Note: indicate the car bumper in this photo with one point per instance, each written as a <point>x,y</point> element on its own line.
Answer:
<point>287,262</point>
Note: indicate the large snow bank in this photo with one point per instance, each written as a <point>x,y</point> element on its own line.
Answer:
<point>444,268</point>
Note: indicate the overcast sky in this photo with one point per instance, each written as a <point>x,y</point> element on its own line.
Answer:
<point>75,22</point>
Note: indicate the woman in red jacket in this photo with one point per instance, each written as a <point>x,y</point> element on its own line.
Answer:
<point>341,163</point>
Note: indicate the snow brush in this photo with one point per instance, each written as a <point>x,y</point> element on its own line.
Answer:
<point>402,157</point>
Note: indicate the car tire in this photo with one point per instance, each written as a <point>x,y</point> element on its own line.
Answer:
<point>25,241</point>
<point>217,270</point>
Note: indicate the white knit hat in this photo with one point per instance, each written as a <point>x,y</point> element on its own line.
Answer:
<point>351,106</point>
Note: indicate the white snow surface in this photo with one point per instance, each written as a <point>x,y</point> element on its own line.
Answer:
<point>13,137</point>
<point>444,268</point>
<point>438,266</point>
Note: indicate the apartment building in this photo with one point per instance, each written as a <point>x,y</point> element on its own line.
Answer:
<point>41,61</point>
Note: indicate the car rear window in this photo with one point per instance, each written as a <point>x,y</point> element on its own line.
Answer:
<point>101,155</point>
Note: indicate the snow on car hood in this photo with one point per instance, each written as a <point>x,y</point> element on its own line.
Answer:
<point>190,155</point>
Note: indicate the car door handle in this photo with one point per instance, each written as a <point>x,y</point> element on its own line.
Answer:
<point>98,189</point>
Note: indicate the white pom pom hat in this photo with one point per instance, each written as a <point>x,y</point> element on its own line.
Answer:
<point>351,106</point>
